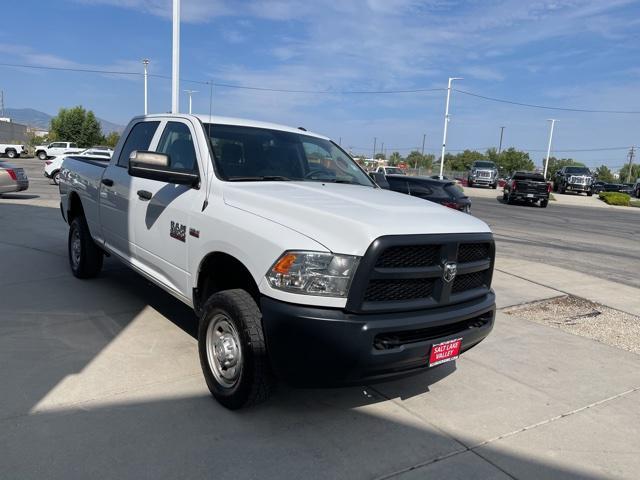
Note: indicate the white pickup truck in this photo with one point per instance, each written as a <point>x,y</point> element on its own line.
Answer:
<point>55,149</point>
<point>12,150</point>
<point>298,266</point>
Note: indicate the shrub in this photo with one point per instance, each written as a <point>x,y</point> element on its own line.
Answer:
<point>635,203</point>
<point>615,198</point>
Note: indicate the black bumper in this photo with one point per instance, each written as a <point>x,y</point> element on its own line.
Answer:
<point>312,347</point>
<point>534,197</point>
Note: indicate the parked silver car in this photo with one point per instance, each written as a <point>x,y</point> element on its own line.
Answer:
<point>12,178</point>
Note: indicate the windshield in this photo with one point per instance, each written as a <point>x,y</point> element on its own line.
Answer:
<point>484,165</point>
<point>577,170</point>
<point>244,154</point>
<point>394,171</point>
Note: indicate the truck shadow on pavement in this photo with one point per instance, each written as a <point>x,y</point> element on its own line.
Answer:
<point>97,384</point>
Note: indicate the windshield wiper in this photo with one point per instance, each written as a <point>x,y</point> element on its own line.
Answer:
<point>333,180</point>
<point>264,178</point>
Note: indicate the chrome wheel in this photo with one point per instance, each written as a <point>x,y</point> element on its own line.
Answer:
<point>224,353</point>
<point>76,248</point>
<point>56,178</point>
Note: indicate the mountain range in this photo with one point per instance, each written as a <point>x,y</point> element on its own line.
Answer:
<point>42,120</point>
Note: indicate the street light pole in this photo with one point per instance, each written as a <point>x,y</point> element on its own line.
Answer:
<point>373,157</point>
<point>175,70</point>
<point>446,121</point>
<point>190,92</point>
<point>501,133</point>
<point>546,163</point>
<point>145,62</point>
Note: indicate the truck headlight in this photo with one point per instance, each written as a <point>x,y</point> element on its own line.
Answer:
<point>313,273</point>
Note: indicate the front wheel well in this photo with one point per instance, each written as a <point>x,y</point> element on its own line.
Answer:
<point>221,271</point>
<point>75,207</point>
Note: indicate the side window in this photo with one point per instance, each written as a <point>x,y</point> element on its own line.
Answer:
<point>176,141</point>
<point>418,189</point>
<point>73,145</point>
<point>57,145</point>
<point>139,139</point>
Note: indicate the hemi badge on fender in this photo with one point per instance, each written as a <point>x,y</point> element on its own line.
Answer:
<point>194,233</point>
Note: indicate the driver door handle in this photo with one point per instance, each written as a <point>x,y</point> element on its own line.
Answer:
<point>108,182</point>
<point>144,195</point>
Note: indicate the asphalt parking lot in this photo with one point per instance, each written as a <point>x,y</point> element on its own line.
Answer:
<point>101,378</point>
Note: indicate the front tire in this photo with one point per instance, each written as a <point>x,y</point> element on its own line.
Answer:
<point>233,353</point>
<point>470,183</point>
<point>85,257</point>
<point>494,186</point>
<point>589,194</point>
<point>42,155</point>
<point>11,153</point>
<point>544,203</point>
<point>56,177</point>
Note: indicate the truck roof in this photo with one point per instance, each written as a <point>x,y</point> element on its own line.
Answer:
<point>241,122</point>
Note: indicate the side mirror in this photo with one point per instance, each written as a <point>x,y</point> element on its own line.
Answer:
<point>157,166</point>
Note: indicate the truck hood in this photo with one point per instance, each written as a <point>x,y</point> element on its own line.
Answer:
<point>346,218</point>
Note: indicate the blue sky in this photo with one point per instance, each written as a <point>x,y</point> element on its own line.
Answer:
<point>576,53</point>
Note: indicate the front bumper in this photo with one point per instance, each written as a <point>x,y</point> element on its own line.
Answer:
<point>578,187</point>
<point>312,347</point>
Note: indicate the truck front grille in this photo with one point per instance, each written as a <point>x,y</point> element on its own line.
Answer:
<point>407,272</point>
<point>398,289</point>
<point>410,256</point>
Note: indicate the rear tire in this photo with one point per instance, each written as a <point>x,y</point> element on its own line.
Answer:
<point>85,257</point>
<point>509,200</point>
<point>233,353</point>
<point>56,177</point>
<point>42,155</point>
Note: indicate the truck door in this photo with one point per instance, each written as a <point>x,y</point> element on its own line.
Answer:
<point>116,215</point>
<point>163,211</point>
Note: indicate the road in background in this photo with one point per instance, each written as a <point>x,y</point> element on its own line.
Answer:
<point>604,242</point>
<point>598,241</point>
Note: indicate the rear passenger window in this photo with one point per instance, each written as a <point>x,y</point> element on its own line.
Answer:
<point>139,139</point>
<point>177,142</point>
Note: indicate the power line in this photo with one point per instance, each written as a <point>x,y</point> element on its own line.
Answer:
<point>546,107</point>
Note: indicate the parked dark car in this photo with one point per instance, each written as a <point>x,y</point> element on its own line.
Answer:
<point>527,187</point>
<point>576,179</point>
<point>444,192</point>
<point>627,188</point>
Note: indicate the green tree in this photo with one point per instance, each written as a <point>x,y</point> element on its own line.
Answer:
<point>624,173</point>
<point>556,164</point>
<point>76,125</point>
<point>380,156</point>
<point>111,140</point>
<point>395,158</point>
<point>416,160</point>
<point>511,160</point>
<point>604,174</point>
<point>462,161</point>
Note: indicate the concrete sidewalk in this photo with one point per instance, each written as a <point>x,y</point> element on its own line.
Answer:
<point>548,277</point>
<point>101,379</point>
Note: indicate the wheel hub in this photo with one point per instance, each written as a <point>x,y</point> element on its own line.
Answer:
<point>224,351</point>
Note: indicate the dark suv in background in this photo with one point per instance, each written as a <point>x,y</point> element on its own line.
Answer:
<point>444,192</point>
<point>576,179</point>
<point>483,173</point>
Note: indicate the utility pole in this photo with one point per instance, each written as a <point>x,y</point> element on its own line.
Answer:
<point>145,62</point>
<point>632,152</point>
<point>382,149</point>
<point>546,163</point>
<point>424,138</point>
<point>500,146</point>
<point>190,92</point>
<point>1,103</point>
<point>446,122</point>
<point>175,69</point>
<point>373,157</point>
<point>340,141</point>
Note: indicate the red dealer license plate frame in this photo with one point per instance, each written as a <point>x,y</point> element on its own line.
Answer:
<point>445,351</point>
